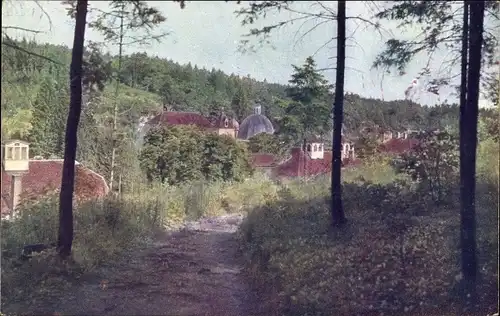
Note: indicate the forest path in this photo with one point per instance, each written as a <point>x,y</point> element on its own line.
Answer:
<point>196,271</point>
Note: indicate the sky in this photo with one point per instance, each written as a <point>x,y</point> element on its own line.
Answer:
<point>207,34</point>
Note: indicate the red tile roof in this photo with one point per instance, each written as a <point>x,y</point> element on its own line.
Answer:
<point>44,176</point>
<point>180,118</point>
<point>192,118</point>
<point>398,145</point>
<point>295,166</point>
<point>261,160</point>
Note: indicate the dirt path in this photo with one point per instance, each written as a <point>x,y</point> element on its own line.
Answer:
<point>196,271</point>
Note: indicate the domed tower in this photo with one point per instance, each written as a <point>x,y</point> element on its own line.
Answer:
<point>255,124</point>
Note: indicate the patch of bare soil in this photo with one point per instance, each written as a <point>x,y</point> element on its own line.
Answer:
<point>197,271</point>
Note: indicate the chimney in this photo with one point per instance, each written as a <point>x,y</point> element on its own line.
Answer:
<point>257,109</point>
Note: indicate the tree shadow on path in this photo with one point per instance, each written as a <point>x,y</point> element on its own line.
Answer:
<point>196,271</point>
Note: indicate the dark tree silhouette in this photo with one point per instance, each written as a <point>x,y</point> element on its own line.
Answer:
<point>337,209</point>
<point>475,44</point>
<point>65,237</point>
<point>468,135</point>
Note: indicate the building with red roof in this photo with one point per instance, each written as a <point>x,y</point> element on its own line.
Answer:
<point>263,160</point>
<point>398,145</point>
<point>301,164</point>
<point>44,177</point>
<point>309,160</point>
<point>220,124</point>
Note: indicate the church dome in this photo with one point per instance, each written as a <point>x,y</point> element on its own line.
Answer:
<point>255,124</point>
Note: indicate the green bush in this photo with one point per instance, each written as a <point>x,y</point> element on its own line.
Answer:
<point>367,146</point>
<point>375,169</point>
<point>487,161</point>
<point>180,154</point>
<point>269,144</point>
<point>434,164</point>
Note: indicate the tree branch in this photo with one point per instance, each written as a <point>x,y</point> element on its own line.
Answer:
<point>16,47</point>
<point>45,13</point>
<point>8,27</point>
<point>263,8</point>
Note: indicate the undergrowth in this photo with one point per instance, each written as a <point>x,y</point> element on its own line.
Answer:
<point>107,228</point>
<point>398,253</point>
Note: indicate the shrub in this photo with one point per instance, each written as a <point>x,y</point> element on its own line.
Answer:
<point>172,155</point>
<point>267,143</point>
<point>367,146</point>
<point>433,163</point>
<point>179,154</point>
<point>223,159</point>
<point>487,161</point>
<point>375,169</point>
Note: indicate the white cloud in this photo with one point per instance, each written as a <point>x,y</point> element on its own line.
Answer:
<point>207,34</point>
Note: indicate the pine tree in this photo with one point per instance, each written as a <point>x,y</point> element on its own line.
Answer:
<point>127,22</point>
<point>49,109</point>
<point>309,109</point>
<point>240,103</point>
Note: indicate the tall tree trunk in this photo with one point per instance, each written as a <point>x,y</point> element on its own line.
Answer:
<point>463,79</point>
<point>337,209</point>
<point>463,104</point>
<point>117,89</point>
<point>304,149</point>
<point>468,152</point>
<point>65,238</point>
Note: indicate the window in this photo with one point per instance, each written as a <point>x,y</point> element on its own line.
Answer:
<point>309,147</point>
<point>315,148</point>
<point>226,122</point>
<point>24,153</point>
<point>10,152</point>
<point>320,148</point>
<point>17,152</point>
<point>346,150</point>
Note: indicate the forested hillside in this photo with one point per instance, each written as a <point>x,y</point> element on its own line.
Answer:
<point>35,98</point>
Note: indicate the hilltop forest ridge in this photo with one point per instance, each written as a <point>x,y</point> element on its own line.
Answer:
<point>35,98</point>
